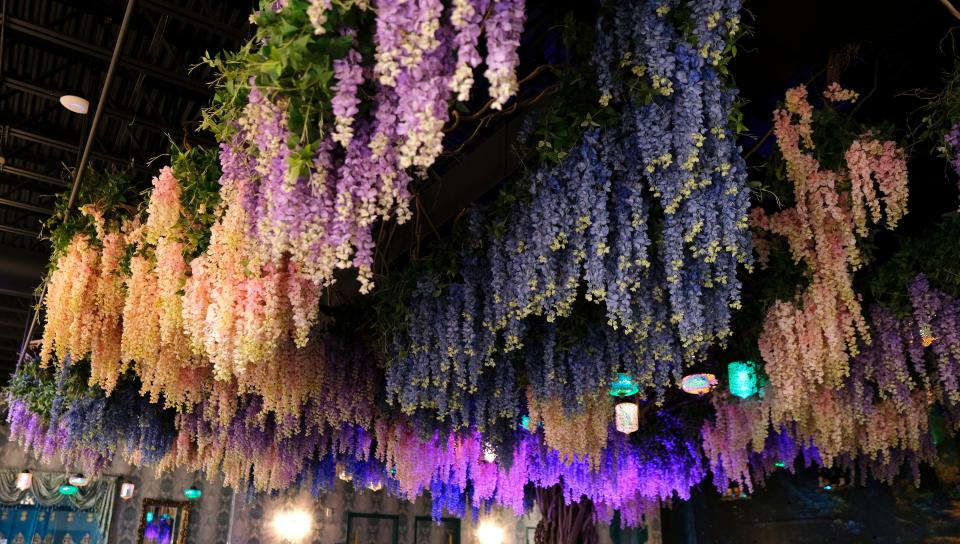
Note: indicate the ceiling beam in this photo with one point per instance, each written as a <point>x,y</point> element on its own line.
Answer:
<point>55,143</point>
<point>25,206</point>
<point>29,174</point>
<point>19,232</point>
<point>193,18</point>
<point>69,43</point>
<point>17,292</point>
<point>132,119</point>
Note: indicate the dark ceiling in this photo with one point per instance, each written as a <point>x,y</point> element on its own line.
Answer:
<point>50,48</point>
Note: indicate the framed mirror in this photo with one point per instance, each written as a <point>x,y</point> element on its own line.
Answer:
<point>427,531</point>
<point>372,528</point>
<point>163,522</point>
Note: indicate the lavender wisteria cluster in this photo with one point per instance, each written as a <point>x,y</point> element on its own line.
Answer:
<point>646,218</point>
<point>327,161</point>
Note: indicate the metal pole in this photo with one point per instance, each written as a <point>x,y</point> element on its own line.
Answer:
<point>85,157</point>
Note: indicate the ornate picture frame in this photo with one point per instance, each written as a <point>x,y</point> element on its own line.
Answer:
<point>182,509</point>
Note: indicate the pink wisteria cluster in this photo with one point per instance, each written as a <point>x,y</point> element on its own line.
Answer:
<point>872,424</point>
<point>833,384</point>
<point>807,342</point>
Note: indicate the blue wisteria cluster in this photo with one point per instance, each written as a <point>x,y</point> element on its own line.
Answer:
<point>83,427</point>
<point>645,219</point>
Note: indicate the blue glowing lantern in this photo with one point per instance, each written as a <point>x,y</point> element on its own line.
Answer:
<point>623,386</point>
<point>525,423</point>
<point>743,378</point>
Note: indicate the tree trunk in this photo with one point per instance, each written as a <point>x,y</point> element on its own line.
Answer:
<point>563,523</point>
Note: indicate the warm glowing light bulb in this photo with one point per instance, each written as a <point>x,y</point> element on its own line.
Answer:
<point>490,533</point>
<point>292,525</point>
<point>24,480</point>
<point>489,454</point>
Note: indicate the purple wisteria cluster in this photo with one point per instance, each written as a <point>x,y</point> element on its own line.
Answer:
<point>322,214</point>
<point>586,233</point>
<point>952,139</point>
<point>87,432</point>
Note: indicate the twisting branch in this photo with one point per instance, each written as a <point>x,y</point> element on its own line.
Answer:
<point>949,5</point>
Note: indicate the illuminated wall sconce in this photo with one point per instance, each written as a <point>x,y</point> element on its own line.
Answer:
<point>344,474</point>
<point>698,384</point>
<point>292,525</point>
<point>375,486</point>
<point>627,417</point>
<point>126,490</point>
<point>192,493</point>
<point>490,533</point>
<point>78,480</point>
<point>24,480</point>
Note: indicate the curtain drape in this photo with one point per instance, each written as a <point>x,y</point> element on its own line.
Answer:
<point>98,495</point>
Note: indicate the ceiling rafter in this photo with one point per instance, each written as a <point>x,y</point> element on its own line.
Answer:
<point>73,45</point>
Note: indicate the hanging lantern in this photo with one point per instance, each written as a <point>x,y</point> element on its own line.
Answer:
<point>344,474</point>
<point>126,490</point>
<point>742,376</point>
<point>78,480</point>
<point>192,493</point>
<point>698,384</point>
<point>24,480</point>
<point>68,489</point>
<point>489,453</point>
<point>623,386</point>
<point>926,336</point>
<point>627,417</point>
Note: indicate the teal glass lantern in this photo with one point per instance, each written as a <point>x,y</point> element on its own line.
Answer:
<point>742,375</point>
<point>192,493</point>
<point>525,423</point>
<point>68,489</point>
<point>623,386</point>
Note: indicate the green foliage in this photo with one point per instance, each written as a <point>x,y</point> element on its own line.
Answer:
<point>932,252</point>
<point>290,63</point>
<point>942,111</point>
<point>111,193</point>
<point>198,171</point>
<point>36,385</point>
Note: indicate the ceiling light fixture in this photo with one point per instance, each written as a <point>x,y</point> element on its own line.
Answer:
<point>75,103</point>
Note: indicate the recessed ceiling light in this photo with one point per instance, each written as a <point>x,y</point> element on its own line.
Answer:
<point>75,104</point>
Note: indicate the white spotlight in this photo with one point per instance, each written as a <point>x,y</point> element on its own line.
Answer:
<point>490,533</point>
<point>292,525</point>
